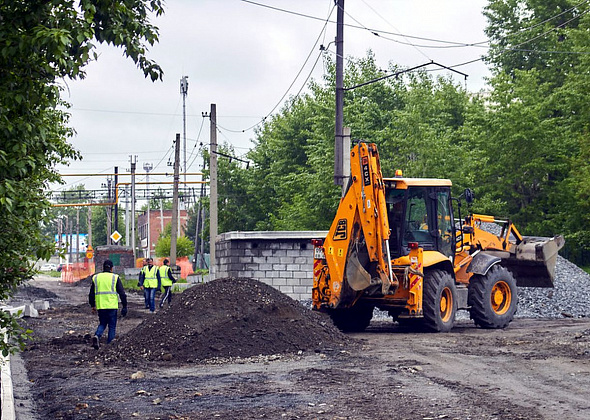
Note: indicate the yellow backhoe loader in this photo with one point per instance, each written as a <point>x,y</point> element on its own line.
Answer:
<point>395,245</point>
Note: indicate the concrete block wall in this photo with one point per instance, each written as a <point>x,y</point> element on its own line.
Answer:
<point>282,259</point>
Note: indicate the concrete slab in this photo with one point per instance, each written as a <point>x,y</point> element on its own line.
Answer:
<point>17,311</point>
<point>41,305</point>
<point>30,311</point>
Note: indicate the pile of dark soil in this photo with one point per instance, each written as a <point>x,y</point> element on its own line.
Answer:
<point>226,318</point>
<point>27,292</point>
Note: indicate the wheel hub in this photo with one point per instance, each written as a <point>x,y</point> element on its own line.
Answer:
<point>501,297</point>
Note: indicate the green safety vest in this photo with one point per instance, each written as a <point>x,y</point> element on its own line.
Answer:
<point>105,290</point>
<point>150,280</point>
<point>164,276</point>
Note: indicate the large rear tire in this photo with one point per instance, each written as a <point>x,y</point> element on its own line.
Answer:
<point>493,298</point>
<point>439,303</point>
<point>355,319</point>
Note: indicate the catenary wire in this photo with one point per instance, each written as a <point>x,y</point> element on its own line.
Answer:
<point>294,80</point>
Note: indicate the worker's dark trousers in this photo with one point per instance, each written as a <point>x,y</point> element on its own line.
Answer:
<point>107,317</point>
<point>150,295</point>
<point>146,297</point>
<point>166,296</point>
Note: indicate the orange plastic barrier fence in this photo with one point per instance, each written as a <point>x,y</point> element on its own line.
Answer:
<point>71,273</point>
<point>186,267</point>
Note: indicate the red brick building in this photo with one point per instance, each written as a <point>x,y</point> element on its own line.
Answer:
<point>158,220</point>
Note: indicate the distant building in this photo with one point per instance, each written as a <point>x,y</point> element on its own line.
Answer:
<point>158,221</point>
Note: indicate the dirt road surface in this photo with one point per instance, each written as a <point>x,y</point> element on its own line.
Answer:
<point>534,369</point>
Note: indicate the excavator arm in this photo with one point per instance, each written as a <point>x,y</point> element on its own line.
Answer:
<point>355,254</point>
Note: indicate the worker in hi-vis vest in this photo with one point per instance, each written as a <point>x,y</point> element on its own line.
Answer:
<point>150,283</point>
<point>103,297</point>
<point>167,281</point>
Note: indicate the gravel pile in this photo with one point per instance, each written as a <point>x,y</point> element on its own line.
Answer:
<point>570,296</point>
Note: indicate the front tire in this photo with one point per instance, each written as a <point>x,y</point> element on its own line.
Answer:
<point>355,319</point>
<point>439,303</point>
<point>493,298</point>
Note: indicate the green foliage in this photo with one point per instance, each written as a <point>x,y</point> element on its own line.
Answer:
<point>100,225</point>
<point>535,134</point>
<point>184,247</point>
<point>523,147</point>
<point>42,42</point>
<point>417,122</point>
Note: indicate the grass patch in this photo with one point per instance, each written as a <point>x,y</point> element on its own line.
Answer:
<point>129,284</point>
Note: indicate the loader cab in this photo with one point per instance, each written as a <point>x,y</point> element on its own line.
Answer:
<point>419,210</point>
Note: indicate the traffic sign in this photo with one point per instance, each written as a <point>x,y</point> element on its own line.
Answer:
<point>89,252</point>
<point>116,236</point>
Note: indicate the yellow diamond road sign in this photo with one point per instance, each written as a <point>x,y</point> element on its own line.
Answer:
<point>116,236</point>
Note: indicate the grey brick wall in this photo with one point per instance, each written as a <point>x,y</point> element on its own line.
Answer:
<point>281,259</point>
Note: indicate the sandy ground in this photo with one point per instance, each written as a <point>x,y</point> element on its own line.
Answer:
<point>534,369</point>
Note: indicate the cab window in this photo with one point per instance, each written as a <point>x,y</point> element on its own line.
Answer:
<point>444,216</point>
<point>416,220</point>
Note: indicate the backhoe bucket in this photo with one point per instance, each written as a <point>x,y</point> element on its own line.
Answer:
<point>358,278</point>
<point>533,260</point>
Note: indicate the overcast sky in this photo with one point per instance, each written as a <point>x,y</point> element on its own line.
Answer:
<point>244,57</point>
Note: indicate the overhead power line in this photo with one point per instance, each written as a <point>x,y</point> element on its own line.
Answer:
<point>280,101</point>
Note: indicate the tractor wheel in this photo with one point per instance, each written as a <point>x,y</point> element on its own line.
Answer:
<point>439,303</point>
<point>493,298</point>
<point>355,319</point>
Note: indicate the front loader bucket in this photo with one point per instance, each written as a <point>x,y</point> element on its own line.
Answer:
<point>533,260</point>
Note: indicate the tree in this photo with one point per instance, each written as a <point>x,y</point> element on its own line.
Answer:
<point>418,122</point>
<point>539,104</point>
<point>184,246</point>
<point>42,42</point>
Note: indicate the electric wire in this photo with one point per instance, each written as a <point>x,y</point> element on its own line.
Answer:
<point>389,23</point>
<point>552,29</point>
<point>546,20</point>
<point>294,80</point>
<point>196,143</point>
<point>459,44</point>
<point>451,44</point>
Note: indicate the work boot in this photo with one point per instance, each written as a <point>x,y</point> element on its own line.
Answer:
<point>95,342</point>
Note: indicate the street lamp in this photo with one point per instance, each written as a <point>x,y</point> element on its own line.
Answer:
<point>147,167</point>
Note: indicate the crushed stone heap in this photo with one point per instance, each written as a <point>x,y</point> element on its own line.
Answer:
<point>227,318</point>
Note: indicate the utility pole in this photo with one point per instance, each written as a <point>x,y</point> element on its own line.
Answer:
<point>213,190</point>
<point>117,201</point>
<point>338,148</point>
<point>133,160</point>
<point>161,215</point>
<point>89,225</point>
<point>173,230</point>
<point>184,92</point>
<point>126,216</point>
<point>198,228</point>
<point>148,167</point>
<point>70,259</point>
<point>345,158</point>
<point>77,235</point>
<point>109,210</point>
<point>59,230</point>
